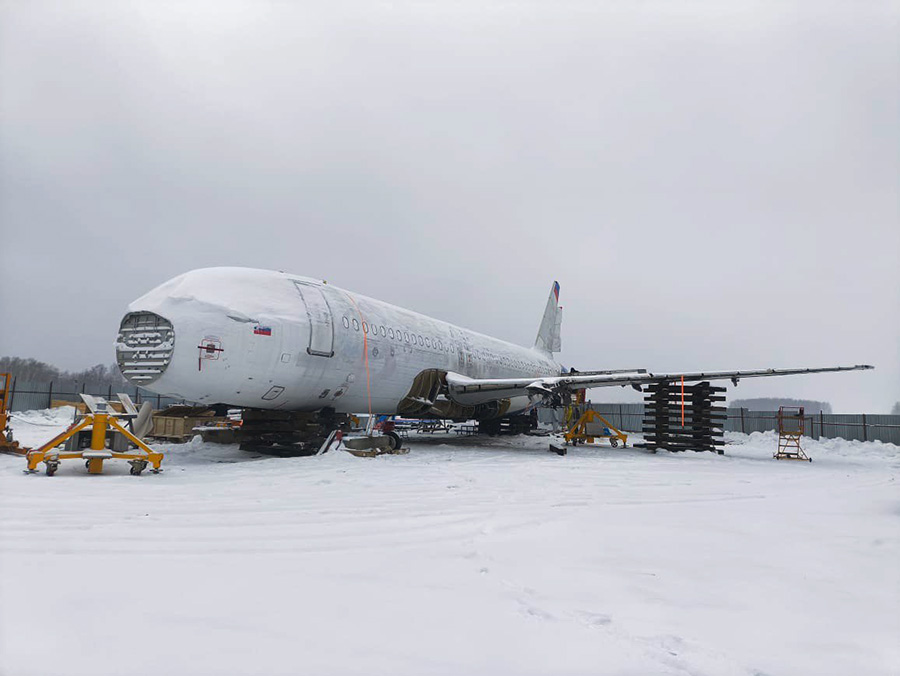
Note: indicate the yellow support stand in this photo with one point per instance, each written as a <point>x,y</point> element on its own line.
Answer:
<point>791,421</point>
<point>99,423</point>
<point>578,433</point>
<point>7,445</point>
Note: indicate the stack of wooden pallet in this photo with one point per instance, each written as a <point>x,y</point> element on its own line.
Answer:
<point>683,418</point>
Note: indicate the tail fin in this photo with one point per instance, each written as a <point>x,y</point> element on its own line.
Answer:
<point>548,335</point>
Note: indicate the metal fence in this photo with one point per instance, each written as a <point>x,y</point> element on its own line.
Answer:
<point>850,426</point>
<point>26,395</point>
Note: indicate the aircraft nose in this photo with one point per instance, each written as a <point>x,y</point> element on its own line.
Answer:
<point>144,347</point>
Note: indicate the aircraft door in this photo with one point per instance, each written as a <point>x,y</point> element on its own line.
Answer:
<point>321,324</point>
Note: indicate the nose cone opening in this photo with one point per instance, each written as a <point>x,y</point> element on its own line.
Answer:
<point>144,347</point>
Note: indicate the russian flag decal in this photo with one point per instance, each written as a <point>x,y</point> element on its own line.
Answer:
<point>262,330</point>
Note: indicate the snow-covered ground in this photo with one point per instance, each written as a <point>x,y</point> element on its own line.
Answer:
<point>475,556</point>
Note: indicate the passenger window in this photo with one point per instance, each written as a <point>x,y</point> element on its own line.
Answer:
<point>346,323</point>
<point>391,333</point>
<point>420,340</point>
<point>406,336</point>
<point>383,331</point>
<point>427,342</point>
<point>365,328</point>
<point>355,325</point>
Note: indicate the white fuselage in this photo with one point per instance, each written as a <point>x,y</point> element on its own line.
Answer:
<point>263,339</point>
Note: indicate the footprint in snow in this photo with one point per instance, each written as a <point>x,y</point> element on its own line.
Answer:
<point>594,620</point>
<point>535,612</point>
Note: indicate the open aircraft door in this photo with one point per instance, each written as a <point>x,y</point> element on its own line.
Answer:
<point>321,324</point>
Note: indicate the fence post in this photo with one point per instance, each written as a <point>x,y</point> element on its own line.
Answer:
<point>109,394</point>
<point>742,421</point>
<point>621,418</point>
<point>821,424</point>
<point>12,395</point>
<point>158,402</point>
<point>50,395</point>
<point>865,433</point>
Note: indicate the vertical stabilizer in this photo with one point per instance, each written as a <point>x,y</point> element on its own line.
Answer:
<point>548,335</point>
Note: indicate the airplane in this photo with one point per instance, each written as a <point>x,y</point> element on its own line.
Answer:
<point>267,340</point>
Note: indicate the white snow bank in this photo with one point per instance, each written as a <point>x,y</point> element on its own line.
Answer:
<point>33,428</point>
<point>765,444</point>
<point>469,555</point>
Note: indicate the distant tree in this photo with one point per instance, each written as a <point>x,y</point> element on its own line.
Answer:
<point>773,403</point>
<point>96,379</point>
<point>896,409</point>
<point>28,369</point>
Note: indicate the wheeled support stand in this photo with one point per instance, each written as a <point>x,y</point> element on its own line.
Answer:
<point>579,433</point>
<point>99,420</point>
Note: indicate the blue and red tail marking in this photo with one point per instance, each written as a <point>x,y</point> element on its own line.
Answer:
<point>556,290</point>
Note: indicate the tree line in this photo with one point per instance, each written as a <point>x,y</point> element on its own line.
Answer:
<point>772,403</point>
<point>97,378</point>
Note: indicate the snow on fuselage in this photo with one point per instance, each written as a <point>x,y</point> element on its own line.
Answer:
<point>265,339</point>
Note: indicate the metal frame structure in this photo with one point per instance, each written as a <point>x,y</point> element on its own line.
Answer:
<point>578,433</point>
<point>7,445</point>
<point>790,428</point>
<point>101,418</point>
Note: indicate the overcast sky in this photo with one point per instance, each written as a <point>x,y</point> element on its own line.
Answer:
<point>716,185</point>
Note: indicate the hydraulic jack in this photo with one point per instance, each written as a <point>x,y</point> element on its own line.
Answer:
<point>100,419</point>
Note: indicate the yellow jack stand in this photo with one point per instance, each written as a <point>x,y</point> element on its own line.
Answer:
<point>578,432</point>
<point>100,418</point>
<point>7,445</point>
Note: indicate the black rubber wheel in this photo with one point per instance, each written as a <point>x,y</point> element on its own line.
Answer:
<point>136,470</point>
<point>51,470</point>
<point>613,442</point>
<point>396,442</point>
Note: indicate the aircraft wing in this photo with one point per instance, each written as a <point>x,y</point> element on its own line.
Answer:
<point>465,390</point>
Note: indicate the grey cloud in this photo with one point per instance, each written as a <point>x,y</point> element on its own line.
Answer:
<point>715,186</point>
